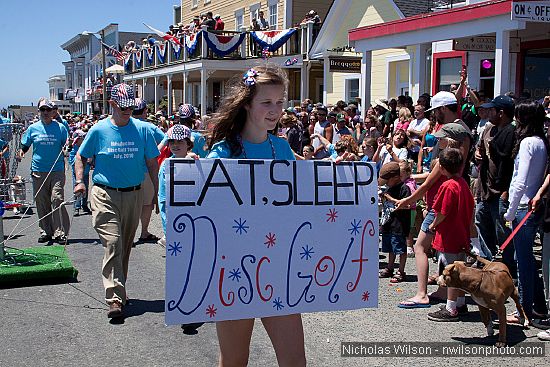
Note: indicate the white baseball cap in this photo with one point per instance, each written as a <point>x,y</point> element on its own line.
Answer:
<point>442,99</point>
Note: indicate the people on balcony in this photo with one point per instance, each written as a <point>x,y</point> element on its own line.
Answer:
<point>209,22</point>
<point>220,25</point>
<point>264,25</point>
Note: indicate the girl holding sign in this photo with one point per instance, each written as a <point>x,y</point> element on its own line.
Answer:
<point>247,115</point>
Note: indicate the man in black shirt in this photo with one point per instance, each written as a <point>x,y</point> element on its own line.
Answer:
<point>496,165</point>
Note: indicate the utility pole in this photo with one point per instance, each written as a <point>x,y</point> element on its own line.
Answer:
<point>103,75</point>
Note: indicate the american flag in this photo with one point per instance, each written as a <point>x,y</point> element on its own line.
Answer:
<point>119,55</point>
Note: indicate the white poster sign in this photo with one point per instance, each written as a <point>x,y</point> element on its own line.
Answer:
<point>255,238</point>
<point>531,11</point>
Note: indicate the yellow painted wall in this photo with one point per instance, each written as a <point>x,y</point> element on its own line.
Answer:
<point>226,8</point>
<point>363,13</point>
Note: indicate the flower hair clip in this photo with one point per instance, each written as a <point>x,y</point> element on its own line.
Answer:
<point>249,78</point>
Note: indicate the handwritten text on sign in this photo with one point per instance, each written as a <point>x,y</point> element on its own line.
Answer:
<point>255,238</point>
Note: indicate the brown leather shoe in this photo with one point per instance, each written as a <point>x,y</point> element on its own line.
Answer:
<point>115,310</point>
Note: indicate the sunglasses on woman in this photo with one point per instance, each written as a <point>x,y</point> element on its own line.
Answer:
<point>45,109</point>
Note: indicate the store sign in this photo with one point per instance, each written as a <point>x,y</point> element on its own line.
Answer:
<point>345,64</point>
<point>531,11</point>
<point>483,44</point>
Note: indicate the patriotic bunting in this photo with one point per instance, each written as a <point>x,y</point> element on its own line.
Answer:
<point>177,50</point>
<point>150,55</point>
<point>272,40</point>
<point>137,58</point>
<point>223,45</point>
<point>191,41</point>
<point>161,51</point>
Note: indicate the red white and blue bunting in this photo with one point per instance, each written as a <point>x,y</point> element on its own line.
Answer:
<point>177,50</point>
<point>127,59</point>
<point>272,40</point>
<point>137,58</point>
<point>161,51</point>
<point>223,45</point>
<point>191,41</point>
<point>150,55</point>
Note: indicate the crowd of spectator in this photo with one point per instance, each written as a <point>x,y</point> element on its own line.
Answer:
<point>491,156</point>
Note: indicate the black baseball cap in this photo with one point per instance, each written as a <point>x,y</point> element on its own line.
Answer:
<point>501,102</point>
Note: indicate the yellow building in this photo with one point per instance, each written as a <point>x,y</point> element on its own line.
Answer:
<point>341,76</point>
<point>199,75</point>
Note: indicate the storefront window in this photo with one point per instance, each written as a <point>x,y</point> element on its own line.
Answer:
<point>449,72</point>
<point>537,73</point>
<point>352,89</point>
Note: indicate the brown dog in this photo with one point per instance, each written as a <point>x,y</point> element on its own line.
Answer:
<point>489,287</point>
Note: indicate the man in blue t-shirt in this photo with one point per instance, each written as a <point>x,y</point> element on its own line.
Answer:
<point>121,145</point>
<point>47,138</point>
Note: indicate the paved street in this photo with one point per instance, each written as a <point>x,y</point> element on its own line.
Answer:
<point>66,324</point>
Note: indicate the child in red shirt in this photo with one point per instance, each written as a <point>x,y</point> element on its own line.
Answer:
<point>454,208</point>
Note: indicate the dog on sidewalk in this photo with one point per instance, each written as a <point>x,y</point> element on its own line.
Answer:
<point>489,287</point>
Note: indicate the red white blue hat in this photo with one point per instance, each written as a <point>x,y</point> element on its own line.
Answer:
<point>178,132</point>
<point>186,111</point>
<point>123,95</point>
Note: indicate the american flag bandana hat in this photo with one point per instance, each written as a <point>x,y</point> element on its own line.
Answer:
<point>178,132</point>
<point>123,95</point>
<point>186,111</point>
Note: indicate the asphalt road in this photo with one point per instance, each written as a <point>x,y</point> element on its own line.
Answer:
<point>66,324</point>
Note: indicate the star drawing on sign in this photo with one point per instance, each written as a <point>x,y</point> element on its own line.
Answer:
<point>235,274</point>
<point>240,226</point>
<point>174,248</point>
<point>365,296</point>
<point>355,227</point>
<point>270,239</point>
<point>306,254</point>
<point>332,215</point>
<point>278,304</point>
<point>211,311</point>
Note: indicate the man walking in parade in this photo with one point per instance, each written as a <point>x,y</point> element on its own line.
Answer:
<point>47,138</point>
<point>120,145</point>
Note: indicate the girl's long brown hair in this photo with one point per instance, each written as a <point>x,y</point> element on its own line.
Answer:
<point>229,121</point>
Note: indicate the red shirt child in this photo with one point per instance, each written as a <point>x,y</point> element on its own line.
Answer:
<point>454,208</point>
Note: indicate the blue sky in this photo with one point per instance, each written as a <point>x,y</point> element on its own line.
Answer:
<point>34,30</point>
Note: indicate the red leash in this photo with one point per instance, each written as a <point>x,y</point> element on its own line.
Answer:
<point>514,232</point>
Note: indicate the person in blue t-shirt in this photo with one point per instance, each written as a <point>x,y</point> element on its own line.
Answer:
<point>120,145</point>
<point>147,185</point>
<point>251,109</point>
<point>47,138</point>
<point>80,202</point>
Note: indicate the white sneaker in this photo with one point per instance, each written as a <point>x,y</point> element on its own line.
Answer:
<point>544,335</point>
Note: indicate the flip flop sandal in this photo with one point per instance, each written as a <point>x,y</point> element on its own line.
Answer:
<point>398,277</point>
<point>385,273</point>
<point>149,239</point>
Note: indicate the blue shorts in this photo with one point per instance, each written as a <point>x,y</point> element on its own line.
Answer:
<point>430,217</point>
<point>394,243</point>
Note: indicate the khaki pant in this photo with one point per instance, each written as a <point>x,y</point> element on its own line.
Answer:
<point>115,217</point>
<point>50,197</point>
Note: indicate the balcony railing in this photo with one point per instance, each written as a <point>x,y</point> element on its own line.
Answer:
<point>298,44</point>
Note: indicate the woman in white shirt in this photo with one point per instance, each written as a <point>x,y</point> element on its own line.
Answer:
<point>531,158</point>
